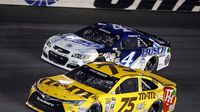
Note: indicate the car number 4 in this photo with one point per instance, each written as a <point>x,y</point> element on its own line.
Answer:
<point>128,60</point>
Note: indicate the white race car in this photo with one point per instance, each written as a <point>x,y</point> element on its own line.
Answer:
<point>112,42</point>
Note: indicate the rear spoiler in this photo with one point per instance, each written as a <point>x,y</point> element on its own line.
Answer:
<point>164,81</point>
<point>160,41</point>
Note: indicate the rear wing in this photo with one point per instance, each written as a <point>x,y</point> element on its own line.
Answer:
<point>160,41</point>
<point>164,81</point>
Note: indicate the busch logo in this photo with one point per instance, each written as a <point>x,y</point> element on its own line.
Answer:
<point>153,51</point>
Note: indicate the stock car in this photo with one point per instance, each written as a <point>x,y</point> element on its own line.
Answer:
<point>103,87</point>
<point>116,43</point>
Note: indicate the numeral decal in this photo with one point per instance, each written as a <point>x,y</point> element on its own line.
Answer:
<point>128,60</point>
<point>119,27</point>
<point>128,101</point>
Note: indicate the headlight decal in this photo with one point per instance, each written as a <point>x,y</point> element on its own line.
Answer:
<point>81,56</point>
<point>75,102</point>
<point>48,43</point>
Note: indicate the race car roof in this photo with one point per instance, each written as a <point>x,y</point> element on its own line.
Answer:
<point>112,69</point>
<point>120,30</point>
<point>118,71</point>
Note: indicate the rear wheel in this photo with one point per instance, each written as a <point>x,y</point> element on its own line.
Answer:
<point>151,65</point>
<point>95,108</point>
<point>156,107</point>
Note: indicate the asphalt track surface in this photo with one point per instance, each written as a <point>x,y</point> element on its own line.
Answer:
<point>23,31</point>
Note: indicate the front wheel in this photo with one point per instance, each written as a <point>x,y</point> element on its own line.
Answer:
<point>95,108</point>
<point>156,107</point>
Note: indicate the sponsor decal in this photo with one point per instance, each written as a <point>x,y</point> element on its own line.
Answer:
<point>169,99</point>
<point>82,42</point>
<point>140,106</point>
<point>167,59</point>
<point>45,102</point>
<point>142,60</point>
<point>95,97</point>
<point>110,103</point>
<point>110,56</point>
<point>79,91</point>
<point>128,103</point>
<point>119,27</point>
<point>41,2</point>
<point>113,68</point>
<point>153,51</point>
<point>148,95</point>
<point>129,59</point>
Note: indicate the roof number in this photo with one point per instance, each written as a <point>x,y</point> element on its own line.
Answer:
<point>119,27</point>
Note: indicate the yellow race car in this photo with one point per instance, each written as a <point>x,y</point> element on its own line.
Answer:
<point>103,87</point>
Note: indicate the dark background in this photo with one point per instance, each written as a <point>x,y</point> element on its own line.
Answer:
<point>23,31</point>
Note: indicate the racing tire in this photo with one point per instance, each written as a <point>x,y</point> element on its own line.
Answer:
<point>151,65</point>
<point>100,59</point>
<point>156,107</point>
<point>95,108</point>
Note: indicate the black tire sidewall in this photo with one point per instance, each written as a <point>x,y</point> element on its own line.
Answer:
<point>94,107</point>
<point>157,103</point>
<point>155,64</point>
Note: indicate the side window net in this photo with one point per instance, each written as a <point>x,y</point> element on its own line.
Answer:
<point>129,85</point>
<point>148,85</point>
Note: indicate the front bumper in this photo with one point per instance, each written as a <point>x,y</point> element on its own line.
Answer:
<point>61,60</point>
<point>39,103</point>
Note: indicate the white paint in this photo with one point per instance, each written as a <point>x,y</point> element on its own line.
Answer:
<point>196,9</point>
<point>13,2</point>
<point>75,3</point>
<point>134,5</point>
<point>157,4</point>
<point>178,4</point>
<point>114,1</point>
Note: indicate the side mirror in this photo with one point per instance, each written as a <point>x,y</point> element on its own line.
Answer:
<point>118,52</point>
<point>114,49</point>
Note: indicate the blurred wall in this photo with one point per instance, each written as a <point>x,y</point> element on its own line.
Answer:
<point>154,5</point>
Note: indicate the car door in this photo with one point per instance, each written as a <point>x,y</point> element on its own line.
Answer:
<point>130,51</point>
<point>149,93</point>
<point>126,96</point>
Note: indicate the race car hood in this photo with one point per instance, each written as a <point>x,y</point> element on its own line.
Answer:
<point>74,43</point>
<point>64,88</point>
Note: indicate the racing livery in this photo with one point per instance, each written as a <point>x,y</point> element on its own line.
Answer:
<point>123,45</point>
<point>103,87</point>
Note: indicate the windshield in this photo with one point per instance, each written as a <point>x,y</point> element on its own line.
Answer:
<point>99,36</point>
<point>92,78</point>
